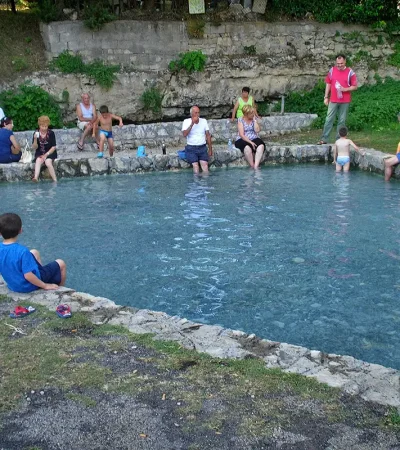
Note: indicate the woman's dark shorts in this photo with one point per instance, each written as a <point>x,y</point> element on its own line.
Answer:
<point>50,273</point>
<point>241,144</point>
<point>196,153</point>
<point>10,158</point>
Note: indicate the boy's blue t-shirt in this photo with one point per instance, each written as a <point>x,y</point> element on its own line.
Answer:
<point>15,261</point>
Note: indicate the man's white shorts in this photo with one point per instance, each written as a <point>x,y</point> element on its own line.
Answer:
<point>82,125</point>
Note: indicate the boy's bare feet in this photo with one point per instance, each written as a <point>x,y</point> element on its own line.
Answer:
<point>35,180</point>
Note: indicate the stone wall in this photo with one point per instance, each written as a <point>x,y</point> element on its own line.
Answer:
<point>290,57</point>
<point>152,135</point>
<point>150,45</point>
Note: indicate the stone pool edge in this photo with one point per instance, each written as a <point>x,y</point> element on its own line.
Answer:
<point>372,382</point>
<point>82,165</point>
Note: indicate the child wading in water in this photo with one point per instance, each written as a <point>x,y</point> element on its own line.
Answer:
<point>341,151</point>
<point>105,120</point>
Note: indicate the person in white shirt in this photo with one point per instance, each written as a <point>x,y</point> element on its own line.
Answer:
<point>2,115</point>
<point>198,136</point>
<point>87,115</point>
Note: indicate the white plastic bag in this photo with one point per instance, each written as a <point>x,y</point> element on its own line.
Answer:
<point>27,156</point>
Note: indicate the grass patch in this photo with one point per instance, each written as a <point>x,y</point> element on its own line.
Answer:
<point>83,399</point>
<point>393,419</point>
<point>385,140</point>
<point>4,298</point>
<point>78,323</point>
<point>21,45</point>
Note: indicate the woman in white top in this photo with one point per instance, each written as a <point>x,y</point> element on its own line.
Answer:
<point>87,115</point>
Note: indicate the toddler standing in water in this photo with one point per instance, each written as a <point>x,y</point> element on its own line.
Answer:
<point>341,151</point>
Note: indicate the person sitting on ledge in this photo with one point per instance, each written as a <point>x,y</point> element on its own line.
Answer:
<point>44,144</point>
<point>10,150</point>
<point>248,141</point>
<point>243,100</point>
<point>87,116</point>
<point>22,269</point>
<point>391,162</point>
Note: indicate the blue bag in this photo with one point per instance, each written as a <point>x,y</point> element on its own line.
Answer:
<point>141,151</point>
<point>182,154</point>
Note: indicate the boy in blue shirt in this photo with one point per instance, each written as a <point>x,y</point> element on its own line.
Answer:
<point>22,269</point>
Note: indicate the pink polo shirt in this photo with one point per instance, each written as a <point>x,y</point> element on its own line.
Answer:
<point>346,78</point>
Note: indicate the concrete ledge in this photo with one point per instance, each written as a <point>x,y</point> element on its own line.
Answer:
<point>81,164</point>
<point>371,381</point>
<point>87,164</point>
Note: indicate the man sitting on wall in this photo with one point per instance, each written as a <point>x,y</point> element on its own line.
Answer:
<point>87,115</point>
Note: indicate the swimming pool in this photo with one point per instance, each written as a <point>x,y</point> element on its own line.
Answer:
<point>292,253</point>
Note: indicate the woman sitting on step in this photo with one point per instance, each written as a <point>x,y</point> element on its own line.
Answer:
<point>10,150</point>
<point>248,141</point>
<point>44,144</point>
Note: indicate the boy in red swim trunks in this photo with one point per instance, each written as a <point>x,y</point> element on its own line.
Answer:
<point>105,121</point>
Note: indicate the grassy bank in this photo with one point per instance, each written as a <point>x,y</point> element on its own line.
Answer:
<point>385,140</point>
<point>204,402</point>
<point>21,46</point>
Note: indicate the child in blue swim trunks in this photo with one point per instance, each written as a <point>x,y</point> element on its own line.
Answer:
<point>105,121</point>
<point>341,151</point>
<point>391,162</point>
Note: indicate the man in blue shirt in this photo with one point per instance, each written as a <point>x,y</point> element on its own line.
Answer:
<point>22,269</point>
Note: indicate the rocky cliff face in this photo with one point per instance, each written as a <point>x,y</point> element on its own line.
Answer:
<point>288,57</point>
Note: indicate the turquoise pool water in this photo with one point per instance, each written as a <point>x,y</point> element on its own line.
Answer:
<point>292,253</point>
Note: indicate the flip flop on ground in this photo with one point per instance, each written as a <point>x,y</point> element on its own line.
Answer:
<point>64,311</point>
<point>80,146</point>
<point>21,311</point>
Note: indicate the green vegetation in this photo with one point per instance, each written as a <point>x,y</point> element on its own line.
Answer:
<point>103,74</point>
<point>152,99</point>
<point>97,14</point>
<point>195,28</point>
<point>250,50</point>
<point>373,106</point>
<point>209,395</point>
<point>21,45</point>
<point>48,11</point>
<point>394,59</point>
<point>190,62</point>
<point>23,104</point>
<point>348,11</point>
<point>393,419</point>
<point>385,139</point>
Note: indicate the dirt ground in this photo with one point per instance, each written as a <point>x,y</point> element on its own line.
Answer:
<point>68,384</point>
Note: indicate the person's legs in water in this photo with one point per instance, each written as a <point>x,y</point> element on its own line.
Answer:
<point>50,168</point>
<point>258,156</point>
<point>248,154</point>
<point>389,165</point>
<point>38,165</point>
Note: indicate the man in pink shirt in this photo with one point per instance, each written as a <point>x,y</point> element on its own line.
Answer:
<point>340,81</point>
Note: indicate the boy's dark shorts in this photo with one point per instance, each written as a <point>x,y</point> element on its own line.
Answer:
<point>50,273</point>
<point>196,153</point>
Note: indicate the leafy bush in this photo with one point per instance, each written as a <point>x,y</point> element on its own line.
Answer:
<point>190,61</point>
<point>366,11</point>
<point>27,103</point>
<point>20,64</point>
<point>195,28</point>
<point>67,62</point>
<point>152,99</point>
<point>48,11</point>
<point>250,50</point>
<point>394,59</point>
<point>372,106</point>
<point>103,74</point>
<point>97,14</point>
